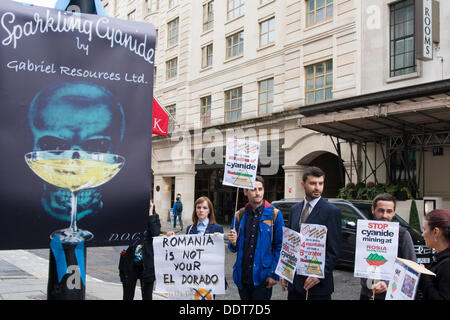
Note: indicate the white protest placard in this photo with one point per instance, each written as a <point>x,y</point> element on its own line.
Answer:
<point>241,163</point>
<point>312,250</point>
<point>289,254</point>
<point>189,265</point>
<point>376,249</point>
<point>405,279</point>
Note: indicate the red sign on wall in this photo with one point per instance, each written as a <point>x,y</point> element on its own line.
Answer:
<point>160,119</point>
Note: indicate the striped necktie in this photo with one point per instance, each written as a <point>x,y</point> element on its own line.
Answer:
<point>305,212</point>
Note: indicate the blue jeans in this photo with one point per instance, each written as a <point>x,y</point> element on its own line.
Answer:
<point>175,220</point>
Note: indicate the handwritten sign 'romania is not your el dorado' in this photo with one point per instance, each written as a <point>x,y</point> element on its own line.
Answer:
<point>188,266</point>
<point>376,249</point>
<point>241,163</point>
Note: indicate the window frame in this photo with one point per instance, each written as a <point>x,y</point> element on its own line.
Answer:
<point>268,33</point>
<point>236,10</point>
<point>172,36</point>
<point>153,5</point>
<point>208,16</point>
<point>326,73</point>
<point>205,105</point>
<point>228,104</point>
<point>239,44</point>
<point>171,68</point>
<point>265,93</point>
<point>207,55</point>
<point>131,16</point>
<point>393,42</point>
<point>172,110</point>
<point>173,3</point>
<point>328,4</point>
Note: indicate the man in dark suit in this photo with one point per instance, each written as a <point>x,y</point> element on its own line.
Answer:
<point>315,210</point>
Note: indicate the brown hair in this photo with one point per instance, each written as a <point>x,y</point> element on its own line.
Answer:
<point>383,197</point>
<point>312,171</point>
<point>259,179</point>
<point>439,218</point>
<point>211,216</point>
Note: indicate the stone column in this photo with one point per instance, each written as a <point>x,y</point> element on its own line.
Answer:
<point>161,195</point>
<point>185,185</point>
<point>292,181</point>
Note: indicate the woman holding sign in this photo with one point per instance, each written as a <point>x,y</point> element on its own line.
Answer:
<point>203,222</point>
<point>437,235</point>
<point>203,219</point>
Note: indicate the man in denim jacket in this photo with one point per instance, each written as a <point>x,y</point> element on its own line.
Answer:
<point>256,235</point>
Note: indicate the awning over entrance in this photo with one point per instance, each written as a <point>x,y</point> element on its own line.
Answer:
<point>421,113</point>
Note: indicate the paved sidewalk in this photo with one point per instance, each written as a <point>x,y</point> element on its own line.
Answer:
<point>24,276</point>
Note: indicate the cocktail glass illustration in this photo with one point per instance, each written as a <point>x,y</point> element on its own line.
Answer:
<point>74,170</point>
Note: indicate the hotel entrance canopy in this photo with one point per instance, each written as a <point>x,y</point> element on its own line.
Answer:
<point>419,113</point>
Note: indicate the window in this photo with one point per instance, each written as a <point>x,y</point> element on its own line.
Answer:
<point>132,15</point>
<point>265,98</point>
<point>267,32</point>
<point>319,10</point>
<point>235,8</point>
<point>207,55</point>
<point>208,16</point>
<point>347,215</point>
<point>233,104</point>
<point>402,58</point>
<point>235,45</point>
<point>171,68</point>
<point>173,3</point>
<point>172,109</point>
<point>319,82</point>
<point>153,5</point>
<point>172,32</point>
<point>264,1</point>
<point>205,110</point>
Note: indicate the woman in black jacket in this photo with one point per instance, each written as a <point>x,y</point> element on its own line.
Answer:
<point>437,235</point>
<point>137,262</point>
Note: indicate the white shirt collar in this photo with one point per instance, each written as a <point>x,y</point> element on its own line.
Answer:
<point>312,203</point>
<point>204,222</point>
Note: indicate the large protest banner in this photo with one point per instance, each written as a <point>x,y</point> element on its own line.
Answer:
<point>189,266</point>
<point>77,84</point>
<point>376,249</point>
<point>241,163</point>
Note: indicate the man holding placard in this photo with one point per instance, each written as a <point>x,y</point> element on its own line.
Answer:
<point>383,209</point>
<point>256,235</point>
<point>314,210</point>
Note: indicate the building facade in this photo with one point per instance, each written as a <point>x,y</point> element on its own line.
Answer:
<point>247,69</point>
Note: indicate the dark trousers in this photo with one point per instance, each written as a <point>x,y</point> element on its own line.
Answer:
<point>250,292</point>
<point>295,295</point>
<point>380,296</point>
<point>129,286</point>
<point>146,290</point>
